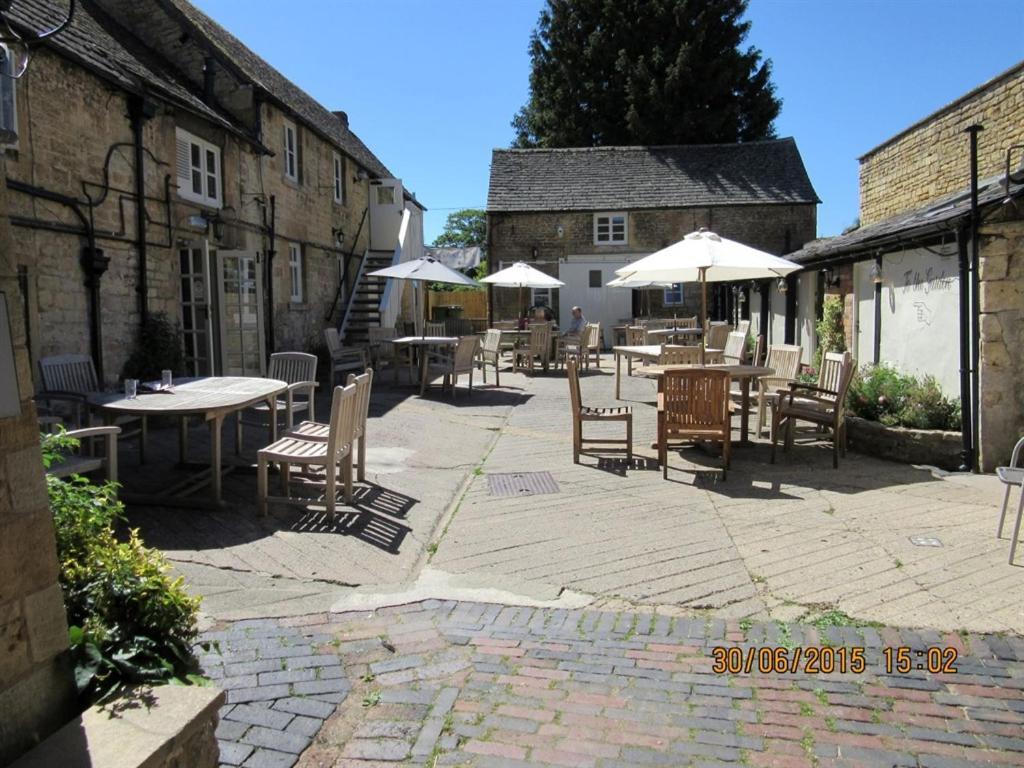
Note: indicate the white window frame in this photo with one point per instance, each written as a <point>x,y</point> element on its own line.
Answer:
<point>10,121</point>
<point>339,179</point>
<point>186,169</point>
<point>668,298</point>
<point>290,154</point>
<point>605,221</point>
<point>541,296</point>
<point>297,289</point>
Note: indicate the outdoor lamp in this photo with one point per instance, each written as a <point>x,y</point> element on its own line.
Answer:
<point>15,49</point>
<point>876,273</point>
<point>339,235</point>
<point>829,275</point>
<point>781,285</point>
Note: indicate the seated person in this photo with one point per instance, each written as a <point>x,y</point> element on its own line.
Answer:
<point>542,313</point>
<point>577,324</point>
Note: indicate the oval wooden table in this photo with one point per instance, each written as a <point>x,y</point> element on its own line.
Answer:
<point>212,398</point>
<point>741,373</point>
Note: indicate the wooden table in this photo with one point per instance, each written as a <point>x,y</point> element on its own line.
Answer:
<point>644,352</point>
<point>670,333</point>
<point>424,342</point>
<point>212,398</point>
<point>741,373</point>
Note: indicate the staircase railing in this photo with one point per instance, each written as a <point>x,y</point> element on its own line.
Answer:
<point>344,281</point>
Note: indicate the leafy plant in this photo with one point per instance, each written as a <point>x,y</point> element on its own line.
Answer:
<point>881,393</point>
<point>830,328</point>
<point>130,622</point>
<point>159,347</point>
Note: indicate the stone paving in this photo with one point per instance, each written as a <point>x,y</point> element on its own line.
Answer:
<point>444,683</point>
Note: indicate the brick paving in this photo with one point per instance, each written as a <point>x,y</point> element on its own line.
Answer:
<point>445,683</point>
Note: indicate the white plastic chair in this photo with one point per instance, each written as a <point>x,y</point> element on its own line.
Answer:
<point>1011,476</point>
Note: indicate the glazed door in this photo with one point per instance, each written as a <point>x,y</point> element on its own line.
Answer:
<point>240,314</point>
<point>197,307</point>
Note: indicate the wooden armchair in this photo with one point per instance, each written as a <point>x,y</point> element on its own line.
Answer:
<point>784,359</point>
<point>298,371</point>
<point>716,335</point>
<point>693,405</point>
<point>69,379</point>
<point>343,358</point>
<point>490,354</point>
<point>537,351</point>
<point>572,345</point>
<point>675,354</point>
<point>435,329</point>
<point>80,463</point>
<point>582,413</point>
<point>461,360</point>
<point>823,404</point>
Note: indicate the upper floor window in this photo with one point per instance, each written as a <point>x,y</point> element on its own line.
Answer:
<point>339,179</point>
<point>8,108</point>
<point>295,273</point>
<point>610,229</point>
<point>674,295</point>
<point>291,151</point>
<point>199,174</point>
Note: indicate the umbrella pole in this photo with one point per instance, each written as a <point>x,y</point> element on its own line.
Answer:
<point>703,312</point>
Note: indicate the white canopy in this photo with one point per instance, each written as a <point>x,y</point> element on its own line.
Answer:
<point>708,257</point>
<point>522,275</point>
<point>425,268</point>
<point>627,282</point>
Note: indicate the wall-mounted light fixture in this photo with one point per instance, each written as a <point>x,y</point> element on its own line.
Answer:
<point>16,50</point>
<point>560,230</point>
<point>361,175</point>
<point>876,272</point>
<point>830,276</point>
<point>782,285</point>
<point>534,252</point>
<point>338,234</point>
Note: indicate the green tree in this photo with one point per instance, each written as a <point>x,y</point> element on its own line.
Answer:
<point>463,229</point>
<point>645,72</point>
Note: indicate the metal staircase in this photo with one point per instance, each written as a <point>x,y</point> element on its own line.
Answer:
<point>363,309</point>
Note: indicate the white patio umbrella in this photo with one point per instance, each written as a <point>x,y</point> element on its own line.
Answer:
<point>642,285</point>
<point>521,275</point>
<point>426,269</point>
<point>705,256</point>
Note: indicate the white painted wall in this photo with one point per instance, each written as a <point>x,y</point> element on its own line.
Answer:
<point>608,306</point>
<point>864,313</point>
<point>806,337</point>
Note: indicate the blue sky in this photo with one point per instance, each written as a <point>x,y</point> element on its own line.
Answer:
<point>432,86</point>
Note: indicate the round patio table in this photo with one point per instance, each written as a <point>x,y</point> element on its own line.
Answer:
<point>212,398</point>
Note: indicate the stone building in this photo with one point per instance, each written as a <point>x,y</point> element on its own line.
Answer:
<point>257,203</point>
<point>580,214</point>
<point>914,294</point>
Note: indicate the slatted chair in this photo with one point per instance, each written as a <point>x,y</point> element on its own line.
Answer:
<point>298,371</point>
<point>537,351</point>
<point>716,335</point>
<point>735,351</point>
<point>81,463</point>
<point>693,405</point>
<point>687,322</point>
<point>759,345</point>
<point>434,329</point>
<point>573,345</point>
<point>450,366</point>
<point>333,454</point>
<point>383,354</point>
<point>582,413</point>
<point>1010,476</point>
<point>743,326</point>
<point>636,336</point>
<point>490,354</point>
<point>343,358</point>
<point>68,380</point>
<point>824,404</point>
<point>676,354</point>
<point>595,342</point>
<point>784,359</point>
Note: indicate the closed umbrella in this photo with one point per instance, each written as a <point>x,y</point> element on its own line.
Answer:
<point>426,269</point>
<point>521,275</point>
<point>705,256</point>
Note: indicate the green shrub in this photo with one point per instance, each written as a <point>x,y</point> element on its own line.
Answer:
<point>158,348</point>
<point>129,621</point>
<point>881,393</point>
<point>830,328</point>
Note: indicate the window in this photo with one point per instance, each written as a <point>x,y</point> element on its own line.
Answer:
<point>198,170</point>
<point>610,228</point>
<point>291,151</point>
<point>339,179</point>
<point>595,278</point>
<point>295,273</point>
<point>541,297</point>
<point>385,195</point>
<point>8,108</point>
<point>674,295</point>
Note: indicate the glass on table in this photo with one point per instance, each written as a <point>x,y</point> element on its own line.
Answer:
<point>131,389</point>
<point>166,379</point>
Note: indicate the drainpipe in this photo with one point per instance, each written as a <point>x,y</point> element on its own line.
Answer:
<point>789,327</point>
<point>973,131</point>
<point>271,252</point>
<point>140,110</point>
<point>877,352</point>
<point>967,423</point>
<point>766,296</point>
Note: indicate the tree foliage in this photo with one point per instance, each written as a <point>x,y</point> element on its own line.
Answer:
<point>645,72</point>
<point>463,229</point>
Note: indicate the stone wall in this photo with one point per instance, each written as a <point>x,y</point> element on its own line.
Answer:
<point>37,690</point>
<point>513,237</point>
<point>931,158</point>
<point>1001,273</point>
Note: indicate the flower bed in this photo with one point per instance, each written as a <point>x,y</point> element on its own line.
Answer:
<point>935,447</point>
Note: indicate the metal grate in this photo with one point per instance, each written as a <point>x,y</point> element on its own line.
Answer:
<point>521,483</point>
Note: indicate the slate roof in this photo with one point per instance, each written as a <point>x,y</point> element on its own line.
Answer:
<point>627,178</point>
<point>940,215</point>
<point>89,41</point>
<point>280,88</point>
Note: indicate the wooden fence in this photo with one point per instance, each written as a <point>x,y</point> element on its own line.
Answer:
<point>473,303</point>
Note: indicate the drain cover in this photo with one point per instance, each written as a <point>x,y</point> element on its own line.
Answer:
<point>925,541</point>
<point>521,483</point>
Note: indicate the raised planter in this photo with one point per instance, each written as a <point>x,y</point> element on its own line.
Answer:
<point>936,447</point>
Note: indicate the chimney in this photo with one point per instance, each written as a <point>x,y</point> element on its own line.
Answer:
<point>342,118</point>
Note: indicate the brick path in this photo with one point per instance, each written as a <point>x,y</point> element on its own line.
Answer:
<point>446,683</point>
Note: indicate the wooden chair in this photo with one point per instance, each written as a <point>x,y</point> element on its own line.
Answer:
<point>735,351</point>
<point>573,346</point>
<point>687,322</point>
<point>784,359</point>
<point>68,380</point>
<point>759,345</point>
<point>298,371</point>
<point>506,325</point>
<point>636,336</point>
<point>716,335</point>
<point>383,354</point>
<point>461,360</point>
<point>693,405</point>
<point>594,343</point>
<point>490,354</point>
<point>343,358</point>
<point>675,354</point>
<point>582,413</point>
<point>1010,476</point>
<point>333,453</point>
<point>538,350</point>
<point>435,329</point>
<point>824,404</point>
<point>79,463</point>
